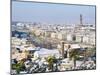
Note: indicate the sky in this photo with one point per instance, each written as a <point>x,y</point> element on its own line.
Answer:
<point>52,13</point>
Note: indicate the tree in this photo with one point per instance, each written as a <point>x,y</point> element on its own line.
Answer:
<point>74,54</point>
<point>51,60</point>
<point>19,66</point>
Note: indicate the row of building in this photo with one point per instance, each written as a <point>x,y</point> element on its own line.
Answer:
<point>81,35</point>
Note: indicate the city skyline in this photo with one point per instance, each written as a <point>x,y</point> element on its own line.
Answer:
<point>52,13</point>
<point>49,37</point>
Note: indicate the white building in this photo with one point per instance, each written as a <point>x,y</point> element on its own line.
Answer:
<point>17,41</point>
<point>53,35</point>
<point>79,38</point>
<point>61,36</point>
<point>42,53</point>
<point>69,37</point>
<point>86,39</point>
<point>66,64</point>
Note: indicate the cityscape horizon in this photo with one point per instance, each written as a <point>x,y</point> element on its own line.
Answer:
<point>48,37</point>
<point>52,13</point>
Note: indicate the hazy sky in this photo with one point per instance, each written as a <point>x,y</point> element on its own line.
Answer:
<point>52,13</point>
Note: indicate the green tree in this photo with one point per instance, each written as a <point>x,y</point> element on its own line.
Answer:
<point>19,66</point>
<point>74,55</point>
<point>51,60</point>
